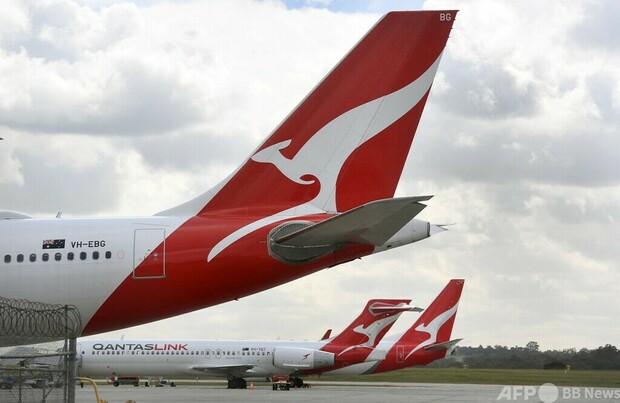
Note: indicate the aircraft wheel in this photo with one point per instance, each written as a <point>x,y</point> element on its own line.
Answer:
<point>242,383</point>
<point>299,383</point>
<point>116,384</point>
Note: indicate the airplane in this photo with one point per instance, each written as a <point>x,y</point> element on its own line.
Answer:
<point>360,349</point>
<point>318,192</point>
<point>234,358</point>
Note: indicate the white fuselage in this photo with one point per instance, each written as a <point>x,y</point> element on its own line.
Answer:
<point>98,254</point>
<point>191,359</point>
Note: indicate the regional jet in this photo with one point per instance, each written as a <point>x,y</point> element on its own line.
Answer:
<point>360,349</point>
<point>318,192</point>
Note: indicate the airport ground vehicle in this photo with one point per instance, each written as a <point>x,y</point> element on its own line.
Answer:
<point>124,380</point>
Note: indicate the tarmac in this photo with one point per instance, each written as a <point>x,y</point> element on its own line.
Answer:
<point>341,392</point>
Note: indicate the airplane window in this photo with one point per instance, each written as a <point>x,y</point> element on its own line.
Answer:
<point>20,258</point>
<point>82,255</point>
<point>57,257</point>
<point>108,254</point>
<point>33,257</point>
<point>45,257</point>
<point>95,255</point>
<point>70,256</point>
<point>7,258</point>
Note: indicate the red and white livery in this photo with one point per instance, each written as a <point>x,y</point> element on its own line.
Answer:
<point>317,193</point>
<point>360,349</point>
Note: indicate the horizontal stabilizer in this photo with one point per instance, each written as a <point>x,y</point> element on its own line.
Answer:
<point>372,223</point>
<point>446,345</point>
<point>404,308</point>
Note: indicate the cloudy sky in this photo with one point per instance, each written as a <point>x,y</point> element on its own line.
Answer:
<point>128,108</point>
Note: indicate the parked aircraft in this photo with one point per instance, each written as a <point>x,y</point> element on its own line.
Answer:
<point>317,193</point>
<point>360,349</point>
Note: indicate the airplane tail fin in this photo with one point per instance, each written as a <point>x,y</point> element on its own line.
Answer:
<point>370,326</point>
<point>431,332</point>
<point>346,143</point>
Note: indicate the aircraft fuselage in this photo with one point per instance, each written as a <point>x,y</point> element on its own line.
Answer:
<point>127,271</point>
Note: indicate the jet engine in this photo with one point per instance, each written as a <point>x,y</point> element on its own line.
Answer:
<point>301,358</point>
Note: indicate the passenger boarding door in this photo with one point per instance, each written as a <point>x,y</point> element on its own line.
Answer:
<point>400,354</point>
<point>149,254</point>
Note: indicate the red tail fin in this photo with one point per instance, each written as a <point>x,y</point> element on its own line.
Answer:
<point>429,336</point>
<point>347,142</point>
<point>370,326</point>
<point>435,323</point>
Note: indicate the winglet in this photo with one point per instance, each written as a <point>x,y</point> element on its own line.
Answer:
<point>326,335</point>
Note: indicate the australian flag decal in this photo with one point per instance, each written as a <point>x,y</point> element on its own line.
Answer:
<point>54,244</point>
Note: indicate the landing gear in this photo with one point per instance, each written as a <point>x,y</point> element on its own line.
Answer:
<point>237,383</point>
<point>284,382</point>
<point>297,382</point>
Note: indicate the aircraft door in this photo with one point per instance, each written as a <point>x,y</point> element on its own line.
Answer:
<point>149,256</point>
<point>400,354</point>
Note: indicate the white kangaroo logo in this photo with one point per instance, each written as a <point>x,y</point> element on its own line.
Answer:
<point>433,328</point>
<point>372,331</point>
<point>324,154</point>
